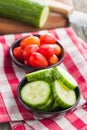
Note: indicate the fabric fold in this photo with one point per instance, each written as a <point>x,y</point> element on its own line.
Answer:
<point>75,62</point>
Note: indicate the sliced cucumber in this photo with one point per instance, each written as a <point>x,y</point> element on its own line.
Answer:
<point>47,106</point>
<point>45,74</point>
<point>64,96</point>
<point>55,105</point>
<point>65,77</point>
<point>49,89</point>
<point>36,93</point>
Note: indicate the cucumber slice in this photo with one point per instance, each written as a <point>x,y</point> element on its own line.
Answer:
<point>54,105</point>
<point>45,74</point>
<point>47,106</point>
<point>64,96</point>
<point>36,93</point>
<point>65,77</point>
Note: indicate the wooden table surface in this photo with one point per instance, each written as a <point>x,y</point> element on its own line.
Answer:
<point>81,32</point>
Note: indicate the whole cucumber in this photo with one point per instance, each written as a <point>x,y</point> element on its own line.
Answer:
<point>27,11</point>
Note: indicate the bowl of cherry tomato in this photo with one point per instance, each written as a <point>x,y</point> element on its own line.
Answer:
<point>37,51</point>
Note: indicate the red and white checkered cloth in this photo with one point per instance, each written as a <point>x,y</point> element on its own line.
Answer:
<point>75,62</point>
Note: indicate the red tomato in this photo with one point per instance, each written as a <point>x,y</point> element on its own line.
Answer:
<point>38,60</point>
<point>47,39</point>
<point>53,60</point>
<point>49,49</point>
<point>28,50</point>
<point>30,40</point>
<point>18,53</point>
<point>58,49</point>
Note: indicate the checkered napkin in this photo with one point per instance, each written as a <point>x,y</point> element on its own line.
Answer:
<point>75,62</point>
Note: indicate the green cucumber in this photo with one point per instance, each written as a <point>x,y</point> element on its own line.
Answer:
<point>45,74</point>
<point>27,11</point>
<point>65,77</point>
<point>63,96</point>
<point>36,93</point>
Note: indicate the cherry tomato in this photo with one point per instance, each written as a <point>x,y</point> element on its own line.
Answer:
<point>30,40</point>
<point>53,60</point>
<point>48,38</point>
<point>38,60</point>
<point>28,50</point>
<point>18,53</point>
<point>49,49</point>
<point>58,49</point>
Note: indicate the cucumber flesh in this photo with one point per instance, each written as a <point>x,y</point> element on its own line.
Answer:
<point>36,93</point>
<point>43,17</point>
<point>65,77</point>
<point>64,96</point>
<point>45,74</point>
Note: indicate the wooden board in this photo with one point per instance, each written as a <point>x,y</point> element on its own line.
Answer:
<point>54,20</point>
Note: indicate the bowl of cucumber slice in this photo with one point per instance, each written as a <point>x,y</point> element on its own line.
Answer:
<point>48,91</point>
<point>37,52</point>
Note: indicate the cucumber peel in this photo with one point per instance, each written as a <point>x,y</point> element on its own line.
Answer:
<point>45,74</point>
